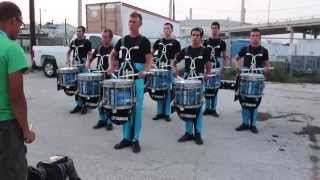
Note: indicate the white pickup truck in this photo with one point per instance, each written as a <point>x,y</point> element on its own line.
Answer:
<point>51,58</point>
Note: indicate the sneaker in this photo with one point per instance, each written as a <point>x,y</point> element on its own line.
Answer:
<point>242,127</point>
<point>123,143</point>
<point>99,125</point>
<point>206,112</point>
<point>84,110</point>
<point>157,117</point>
<point>76,109</point>
<point>214,113</point>
<point>254,130</point>
<point>109,127</point>
<point>135,147</point>
<point>167,118</point>
<point>198,139</point>
<point>185,137</point>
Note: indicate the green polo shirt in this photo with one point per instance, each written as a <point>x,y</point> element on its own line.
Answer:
<point>12,59</point>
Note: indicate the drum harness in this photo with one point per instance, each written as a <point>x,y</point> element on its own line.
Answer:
<point>163,65</point>
<point>213,51</point>
<point>101,58</point>
<point>76,52</point>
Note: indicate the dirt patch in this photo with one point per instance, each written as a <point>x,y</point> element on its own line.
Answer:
<point>311,131</point>
<point>262,116</point>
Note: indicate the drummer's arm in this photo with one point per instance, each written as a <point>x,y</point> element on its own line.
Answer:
<point>237,62</point>
<point>267,66</point>
<point>225,58</point>
<point>68,56</point>
<point>148,63</point>
<point>113,61</point>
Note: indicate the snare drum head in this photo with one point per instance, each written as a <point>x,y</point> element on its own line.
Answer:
<point>159,70</point>
<point>252,76</point>
<point>189,83</point>
<point>215,71</point>
<point>90,76</point>
<point>67,70</point>
<point>110,82</point>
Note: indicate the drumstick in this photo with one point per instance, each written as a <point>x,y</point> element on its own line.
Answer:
<point>130,75</point>
<point>197,77</point>
<point>259,69</point>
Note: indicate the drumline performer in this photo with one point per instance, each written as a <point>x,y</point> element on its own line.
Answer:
<point>141,61</point>
<point>254,56</point>
<point>102,53</point>
<point>81,48</point>
<point>197,61</point>
<point>217,47</point>
<point>167,49</point>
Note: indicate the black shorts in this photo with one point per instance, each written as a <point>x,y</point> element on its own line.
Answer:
<point>12,152</point>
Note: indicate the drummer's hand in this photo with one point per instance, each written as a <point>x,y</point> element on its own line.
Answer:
<point>223,69</point>
<point>238,69</point>
<point>110,71</point>
<point>206,77</point>
<point>142,74</point>
<point>87,66</point>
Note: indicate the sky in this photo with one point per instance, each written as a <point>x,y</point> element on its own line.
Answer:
<point>256,10</point>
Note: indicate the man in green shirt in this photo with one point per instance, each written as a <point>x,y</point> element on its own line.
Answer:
<point>14,128</point>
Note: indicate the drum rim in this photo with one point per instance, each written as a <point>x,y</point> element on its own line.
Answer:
<point>115,82</point>
<point>67,69</point>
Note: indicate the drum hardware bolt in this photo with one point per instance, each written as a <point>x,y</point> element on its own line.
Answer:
<point>114,110</point>
<point>181,108</point>
<point>152,90</point>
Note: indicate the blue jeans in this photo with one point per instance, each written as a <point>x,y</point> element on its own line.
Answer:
<point>211,103</point>
<point>103,116</point>
<point>132,128</point>
<point>164,106</point>
<point>79,101</point>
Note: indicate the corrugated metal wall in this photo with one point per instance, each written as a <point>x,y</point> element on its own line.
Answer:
<point>102,16</point>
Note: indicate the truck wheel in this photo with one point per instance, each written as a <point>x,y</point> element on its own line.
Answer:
<point>49,68</point>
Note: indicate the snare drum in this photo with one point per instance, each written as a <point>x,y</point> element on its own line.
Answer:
<point>158,82</point>
<point>118,94</point>
<point>118,99</point>
<point>251,85</point>
<point>188,94</point>
<point>89,85</point>
<point>188,98</point>
<point>213,83</point>
<point>67,77</point>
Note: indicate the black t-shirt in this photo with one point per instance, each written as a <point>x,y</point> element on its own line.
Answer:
<point>171,50</point>
<point>214,43</point>
<point>194,52</point>
<point>260,60</point>
<point>102,50</point>
<point>137,56</point>
<point>83,46</point>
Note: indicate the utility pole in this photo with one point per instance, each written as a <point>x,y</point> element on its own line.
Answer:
<point>170,9</point>
<point>243,12</point>
<point>269,6</point>
<point>40,24</point>
<point>79,12</point>
<point>174,10</point>
<point>32,28</point>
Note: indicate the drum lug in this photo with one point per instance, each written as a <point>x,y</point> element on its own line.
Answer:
<point>114,111</point>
